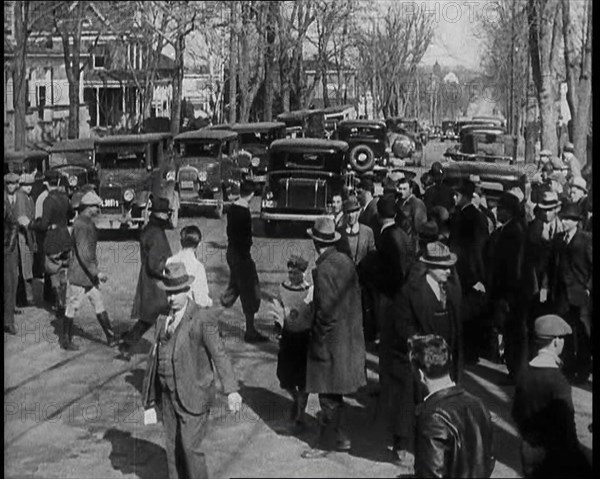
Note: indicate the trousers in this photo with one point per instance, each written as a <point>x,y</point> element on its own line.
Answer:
<point>11,278</point>
<point>243,283</point>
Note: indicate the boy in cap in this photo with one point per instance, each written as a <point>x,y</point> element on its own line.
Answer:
<point>293,313</point>
<point>83,276</point>
<point>543,408</point>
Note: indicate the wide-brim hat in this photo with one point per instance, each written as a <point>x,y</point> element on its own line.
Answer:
<point>571,211</point>
<point>160,205</point>
<point>90,199</point>
<point>175,278</point>
<point>323,231</point>
<point>438,254</point>
<point>549,201</point>
<point>11,178</point>
<point>466,188</point>
<point>351,205</point>
<point>429,232</point>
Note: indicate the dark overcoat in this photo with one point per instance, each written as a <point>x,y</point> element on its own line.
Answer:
<point>198,345</point>
<point>24,206</point>
<point>368,217</point>
<point>85,240</point>
<point>151,301</point>
<point>395,256</point>
<point>336,350</point>
<point>54,221</point>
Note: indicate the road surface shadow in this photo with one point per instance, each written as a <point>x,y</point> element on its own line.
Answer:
<point>283,230</point>
<point>136,379</point>
<point>130,455</point>
<point>117,235</point>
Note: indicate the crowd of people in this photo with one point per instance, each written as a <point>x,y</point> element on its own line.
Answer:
<point>428,280</point>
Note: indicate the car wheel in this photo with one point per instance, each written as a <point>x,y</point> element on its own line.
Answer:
<point>271,229</point>
<point>362,158</point>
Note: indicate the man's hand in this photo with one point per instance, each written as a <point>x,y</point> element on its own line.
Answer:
<point>543,295</point>
<point>102,277</point>
<point>479,287</point>
<point>234,402</point>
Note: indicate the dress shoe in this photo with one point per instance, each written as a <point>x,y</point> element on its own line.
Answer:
<point>10,329</point>
<point>255,337</point>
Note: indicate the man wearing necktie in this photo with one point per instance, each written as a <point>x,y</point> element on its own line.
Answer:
<point>179,378</point>
<point>429,303</point>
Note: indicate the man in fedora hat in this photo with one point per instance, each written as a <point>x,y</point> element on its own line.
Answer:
<point>429,303</point>
<point>439,194</point>
<point>570,273</point>
<point>571,162</point>
<point>505,281</point>
<point>179,377</point>
<point>243,278</point>
<point>543,408</point>
<point>150,301</point>
<point>84,277</point>
<point>356,239</point>
<point>24,209</point>
<point>336,349</point>
<point>415,212</point>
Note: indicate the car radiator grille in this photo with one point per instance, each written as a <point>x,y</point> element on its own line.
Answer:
<point>112,198</point>
<point>303,193</point>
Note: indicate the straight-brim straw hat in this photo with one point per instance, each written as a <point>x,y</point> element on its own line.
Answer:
<point>323,231</point>
<point>438,254</point>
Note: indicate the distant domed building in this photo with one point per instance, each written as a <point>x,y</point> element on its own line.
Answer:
<point>451,78</point>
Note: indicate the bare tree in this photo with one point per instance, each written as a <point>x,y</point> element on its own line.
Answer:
<point>233,61</point>
<point>578,69</point>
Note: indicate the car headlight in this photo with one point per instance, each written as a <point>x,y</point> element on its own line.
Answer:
<point>170,176</point>
<point>73,181</point>
<point>255,161</point>
<point>128,195</point>
<point>202,175</point>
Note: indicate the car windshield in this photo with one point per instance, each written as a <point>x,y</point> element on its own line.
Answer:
<point>488,144</point>
<point>200,148</point>
<point>313,160</point>
<point>361,132</point>
<point>122,160</point>
<point>260,137</point>
<point>70,158</point>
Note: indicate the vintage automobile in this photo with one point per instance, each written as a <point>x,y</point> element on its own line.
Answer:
<point>495,178</point>
<point>448,131</point>
<point>29,161</point>
<point>304,123</point>
<point>367,141</point>
<point>335,114</point>
<point>74,159</point>
<point>488,144</point>
<point>208,170</point>
<point>493,120</point>
<point>405,145</point>
<point>302,176</point>
<point>132,170</point>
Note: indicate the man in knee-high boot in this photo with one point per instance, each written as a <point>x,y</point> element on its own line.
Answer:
<point>84,277</point>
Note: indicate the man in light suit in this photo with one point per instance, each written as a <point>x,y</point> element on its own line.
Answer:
<point>180,379</point>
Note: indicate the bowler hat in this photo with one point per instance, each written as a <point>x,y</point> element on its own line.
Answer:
<point>438,254</point>
<point>386,206</point>
<point>11,178</point>
<point>569,147</point>
<point>175,278</point>
<point>579,182</point>
<point>549,200</point>
<point>297,262</point>
<point>323,231</point>
<point>571,211</point>
<point>436,170</point>
<point>466,188</point>
<point>509,202</point>
<point>160,205</point>
<point>351,204</point>
<point>429,232</point>
<point>551,326</point>
<point>90,199</point>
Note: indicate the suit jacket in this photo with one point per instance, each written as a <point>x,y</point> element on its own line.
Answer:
<point>506,271</point>
<point>57,211</point>
<point>395,256</point>
<point>198,345</point>
<point>150,300</point>
<point>336,349</point>
<point>412,219</point>
<point>24,206</point>
<point>468,234</point>
<point>571,270</point>
<point>85,239</point>
<point>11,227</point>
<point>369,217</point>
<point>366,243</point>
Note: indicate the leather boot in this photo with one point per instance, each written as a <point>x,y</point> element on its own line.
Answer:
<point>131,337</point>
<point>66,340</point>
<point>104,321</point>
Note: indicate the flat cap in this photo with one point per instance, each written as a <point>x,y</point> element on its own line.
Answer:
<point>297,262</point>
<point>27,179</point>
<point>386,206</point>
<point>551,326</point>
<point>11,178</point>
<point>569,148</point>
<point>90,199</point>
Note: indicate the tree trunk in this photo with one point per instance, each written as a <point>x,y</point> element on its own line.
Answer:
<point>177,84</point>
<point>233,66</point>
<point>272,16</point>
<point>324,81</point>
<point>20,74</point>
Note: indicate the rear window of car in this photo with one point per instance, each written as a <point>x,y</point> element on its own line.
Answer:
<point>197,148</point>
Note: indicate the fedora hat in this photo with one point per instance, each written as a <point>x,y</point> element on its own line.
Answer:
<point>466,188</point>
<point>323,231</point>
<point>571,211</point>
<point>436,170</point>
<point>90,199</point>
<point>579,182</point>
<point>549,201</point>
<point>351,204</point>
<point>438,254</point>
<point>175,278</point>
<point>429,232</point>
<point>160,205</point>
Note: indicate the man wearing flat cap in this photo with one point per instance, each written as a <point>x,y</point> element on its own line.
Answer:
<point>24,211</point>
<point>543,408</point>
<point>84,276</point>
<point>570,291</point>
<point>150,301</point>
<point>429,303</point>
<point>506,282</point>
<point>578,194</point>
<point>571,162</point>
<point>180,374</point>
<point>336,349</point>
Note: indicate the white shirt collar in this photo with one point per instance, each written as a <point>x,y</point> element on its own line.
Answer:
<point>353,229</point>
<point>435,286</point>
<point>545,359</point>
<point>391,223</point>
<point>242,202</point>
<point>451,384</point>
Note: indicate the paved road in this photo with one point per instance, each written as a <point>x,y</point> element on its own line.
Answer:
<point>78,415</point>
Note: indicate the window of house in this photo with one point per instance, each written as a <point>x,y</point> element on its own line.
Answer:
<point>100,57</point>
<point>41,100</point>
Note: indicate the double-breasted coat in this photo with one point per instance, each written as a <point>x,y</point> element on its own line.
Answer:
<point>150,301</point>
<point>336,350</point>
<point>24,206</point>
<point>364,245</point>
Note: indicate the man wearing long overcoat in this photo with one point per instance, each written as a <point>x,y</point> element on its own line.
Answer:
<point>11,265</point>
<point>150,301</point>
<point>336,350</point>
<point>429,303</point>
<point>25,212</point>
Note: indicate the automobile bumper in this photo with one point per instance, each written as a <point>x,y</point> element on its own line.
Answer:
<point>258,178</point>
<point>117,221</point>
<point>201,202</point>
<point>310,217</point>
